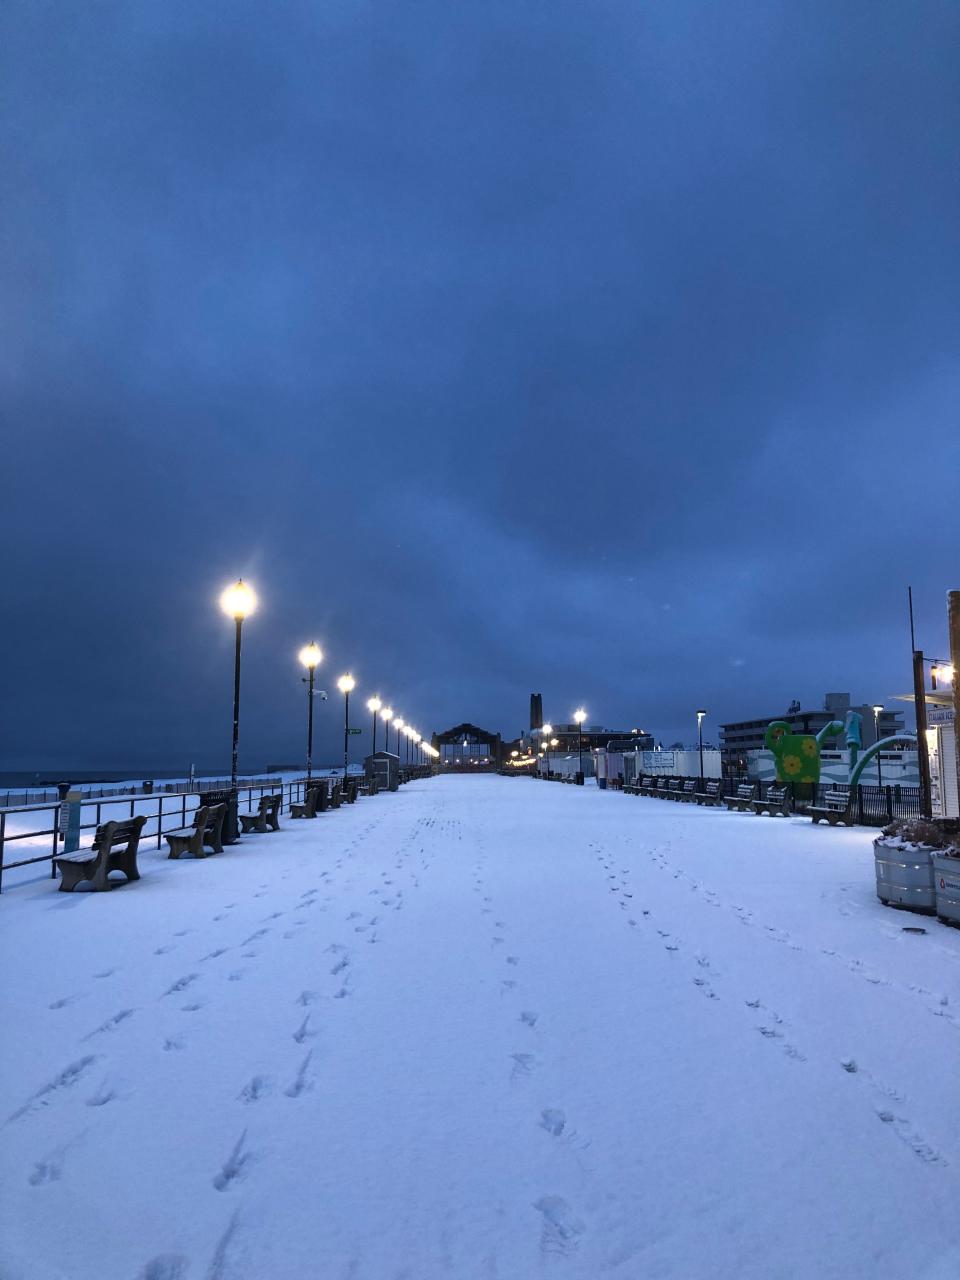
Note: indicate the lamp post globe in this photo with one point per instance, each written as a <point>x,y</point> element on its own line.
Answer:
<point>346,684</point>
<point>238,601</point>
<point>310,656</point>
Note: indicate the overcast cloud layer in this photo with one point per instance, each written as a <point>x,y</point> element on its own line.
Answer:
<point>603,349</point>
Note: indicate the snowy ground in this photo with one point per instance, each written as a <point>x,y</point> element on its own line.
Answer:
<point>483,1028</point>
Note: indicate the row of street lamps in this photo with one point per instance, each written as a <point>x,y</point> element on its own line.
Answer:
<point>239,601</point>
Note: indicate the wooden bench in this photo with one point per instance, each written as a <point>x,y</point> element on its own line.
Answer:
<point>265,817</point>
<point>838,806</point>
<point>743,799</point>
<point>713,794</point>
<point>114,848</point>
<point>662,788</point>
<point>689,791</point>
<point>777,800</point>
<point>648,785</point>
<point>674,789</point>
<point>307,807</point>
<point>207,829</point>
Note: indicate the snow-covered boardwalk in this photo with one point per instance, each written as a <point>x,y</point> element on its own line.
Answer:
<point>483,1028</point>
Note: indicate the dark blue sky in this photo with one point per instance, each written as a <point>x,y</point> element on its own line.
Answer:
<point>603,349</point>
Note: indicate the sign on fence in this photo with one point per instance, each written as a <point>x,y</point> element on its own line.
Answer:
<point>70,820</point>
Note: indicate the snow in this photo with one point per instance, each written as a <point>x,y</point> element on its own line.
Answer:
<point>484,1027</point>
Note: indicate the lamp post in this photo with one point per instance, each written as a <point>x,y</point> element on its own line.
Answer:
<point>237,601</point>
<point>876,709</point>
<point>579,716</point>
<point>311,656</point>
<point>700,715</point>
<point>545,731</point>
<point>386,715</point>
<point>346,684</point>
<point>374,704</point>
<point>398,724</point>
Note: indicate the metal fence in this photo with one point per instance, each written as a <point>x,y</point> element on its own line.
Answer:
<point>22,797</point>
<point>875,807</point>
<point>41,824</point>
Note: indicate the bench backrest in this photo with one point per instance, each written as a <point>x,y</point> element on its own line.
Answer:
<point>837,799</point>
<point>213,815</point>
<point>663,784</point>
<point>745,791</point>
<point>690,786</point>
<point>269,802</point>
<point>713,788</point>
<point>776,794</point>
<point>113,833</point>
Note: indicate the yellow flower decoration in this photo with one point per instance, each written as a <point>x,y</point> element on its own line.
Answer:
<point>809,747</point>
<point>792,764</point>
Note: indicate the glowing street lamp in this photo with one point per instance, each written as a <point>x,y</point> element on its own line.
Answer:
<point>238,601</point>
<point>700,715</point>
<point>398,724</point>
<point>579,716</point>
<point>386,715</point>
<point>374,704</point>
<point>346,684</point>
<point>876,709</point>
<point>311,657</point>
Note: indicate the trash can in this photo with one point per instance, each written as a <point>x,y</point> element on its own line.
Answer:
<point>946,877</point>
<point>904,872</point>
<point>230,824</point>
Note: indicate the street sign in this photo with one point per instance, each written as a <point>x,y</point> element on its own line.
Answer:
<point>356,731</point>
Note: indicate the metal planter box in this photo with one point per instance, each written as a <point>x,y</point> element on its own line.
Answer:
<point>946,876</point>
<point>905,874</point>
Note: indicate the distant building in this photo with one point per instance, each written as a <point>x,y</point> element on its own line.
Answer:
<point>743,736</point>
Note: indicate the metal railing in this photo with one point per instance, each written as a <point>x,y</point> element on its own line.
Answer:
<point>876,806</point>
<point>45,795</point>
<point>164,812</point>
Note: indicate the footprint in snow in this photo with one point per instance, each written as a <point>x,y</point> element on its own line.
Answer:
<point>303,1031</point>
<point>523,1064</point>
<point>300,1083</point>
<point>234,1166</point>
<point>561,1228</point>
<point>111,1023</point>
<point>181,984</point>
<point>258,1087</point>
<point>104,1093</point>
<point>553,1121</point>
<point>529,1018</point>
<point>166,1266</point>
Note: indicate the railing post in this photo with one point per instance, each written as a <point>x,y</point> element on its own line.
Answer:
<point>860,803</point>
<point>3,832</point>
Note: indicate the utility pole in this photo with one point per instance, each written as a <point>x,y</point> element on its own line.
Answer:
<point>923,755</point>
<point>953,615</point>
